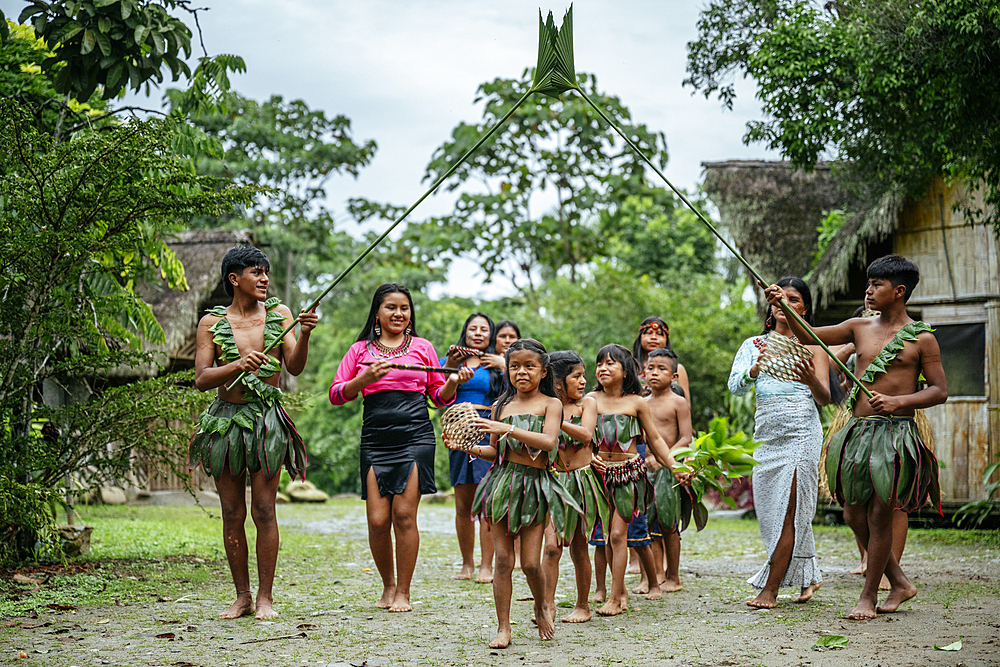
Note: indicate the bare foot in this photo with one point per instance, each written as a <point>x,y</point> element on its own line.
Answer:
<point>764,600</point>
<point>264,610</point>
<point>808,591</point>
<point>864,611</point>
<point>623,601</point>
<point>543,617</point>
<point>671,586</point>
<point>465,573</point>
<point>579,615</point>
<point>388,593</point>
<point>633,568</point>
<point>599,596</point>
<point>610,608</point>
<point>502,639</point>
<point>884,585</point>
<point>400,602</point>
<point>655,594</point>
<point>861,569</point>
<point>242,606</point>
<point>897,597</point>
<point>642,588</point>
<point>484,577</point>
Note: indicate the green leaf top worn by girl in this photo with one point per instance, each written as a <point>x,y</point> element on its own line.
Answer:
<point>254,436</point>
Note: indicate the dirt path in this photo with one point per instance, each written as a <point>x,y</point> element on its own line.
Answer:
<point>326,587</point>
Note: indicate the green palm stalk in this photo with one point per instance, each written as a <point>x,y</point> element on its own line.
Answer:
<point>554,74</point>
<point>555,50</point>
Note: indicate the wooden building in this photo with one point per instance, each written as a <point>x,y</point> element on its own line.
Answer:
<point>773,214</point>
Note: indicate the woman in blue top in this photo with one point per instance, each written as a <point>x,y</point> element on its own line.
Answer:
<point>786,477</point>
<point>479,334</point>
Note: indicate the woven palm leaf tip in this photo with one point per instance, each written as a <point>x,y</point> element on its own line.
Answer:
<point>780,356</point>
<point>458,423</point>
<point>555,71</point>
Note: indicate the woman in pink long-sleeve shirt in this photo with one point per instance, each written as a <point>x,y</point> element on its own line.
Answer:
<point>397,439</point>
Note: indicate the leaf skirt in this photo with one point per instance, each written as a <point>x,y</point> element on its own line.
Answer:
<point>247,437</point>
<point>674,505</point>
<point>518,495</point>
<point>884,455</point>
<point>587,489</point>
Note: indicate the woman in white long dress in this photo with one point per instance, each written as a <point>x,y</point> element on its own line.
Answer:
<point>786,477</point>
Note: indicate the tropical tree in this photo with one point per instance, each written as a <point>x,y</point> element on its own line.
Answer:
<point>528,200</point>
<point>80,223</point>
<point>293,151</point>
<point>900,92</point>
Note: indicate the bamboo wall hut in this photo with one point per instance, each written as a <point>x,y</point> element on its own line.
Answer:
<point>773,212</point>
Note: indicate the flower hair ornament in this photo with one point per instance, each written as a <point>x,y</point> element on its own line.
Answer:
<point>655,327</point>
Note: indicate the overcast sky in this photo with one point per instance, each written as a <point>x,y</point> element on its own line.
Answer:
<point>406,72</point>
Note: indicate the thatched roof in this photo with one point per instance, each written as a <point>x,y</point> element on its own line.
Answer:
<point>177,311</point>
<point>864,225</point>
<point>772,211</point>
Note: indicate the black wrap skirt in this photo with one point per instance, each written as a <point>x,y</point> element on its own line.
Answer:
<point>396,435</point>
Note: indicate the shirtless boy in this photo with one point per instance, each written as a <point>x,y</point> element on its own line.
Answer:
<point>245,430</point>
<point>672,417</point>
<point>877,462</point>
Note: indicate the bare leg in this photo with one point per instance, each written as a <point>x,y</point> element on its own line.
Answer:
<point>617,551</point>
<point>503,544</point>
<point>900,526</point>
<point>648,564</point>
<point>232,495</point>
<point>531,551</point>
<point>262,493</point>
<point>465,528</point>
<point>877,535</point>
<point>781,556</point>
<point>634,564</point>
<point>852,519</point>
<point>485,575</point>
<point>378,510</point>
<point>551,554</point>
<point>901,588</point>
<point>600,574</point>
<point>517,552</point>
<point>404,525</point>
<point>580,554</point>
<point>672,548</point>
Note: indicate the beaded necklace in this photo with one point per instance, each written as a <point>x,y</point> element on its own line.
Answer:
<point>380,351</point>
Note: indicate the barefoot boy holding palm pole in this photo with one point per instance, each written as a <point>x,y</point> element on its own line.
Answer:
<point>878,462</point>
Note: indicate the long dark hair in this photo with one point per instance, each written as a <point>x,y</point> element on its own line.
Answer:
<point>563,363</point>
<point>799,286</point>
<point>368,332</point>
<point>630,383</point>
<point>637,351</point>
<point>496,376</point>
<point>546,386</point>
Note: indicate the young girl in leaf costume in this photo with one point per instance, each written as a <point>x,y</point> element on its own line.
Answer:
<point>246,431</point>
<point>878,462</point>
<point>573,468</point>
<point>622,417</point>
<point>521,490</point>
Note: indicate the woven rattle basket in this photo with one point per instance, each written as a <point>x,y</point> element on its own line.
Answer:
<point>779,357</point>
<point>458,423</point>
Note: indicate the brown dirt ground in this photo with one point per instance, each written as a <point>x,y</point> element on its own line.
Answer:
<point>325,592</point>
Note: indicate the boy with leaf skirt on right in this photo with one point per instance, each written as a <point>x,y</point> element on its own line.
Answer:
<point>877,462</point>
